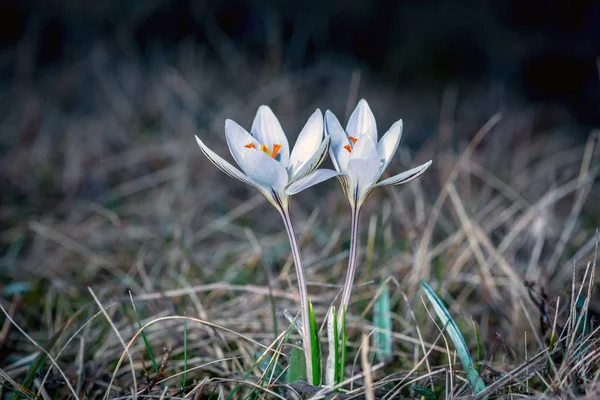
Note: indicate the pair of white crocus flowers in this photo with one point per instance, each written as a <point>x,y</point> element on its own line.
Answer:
<point>267,165</point>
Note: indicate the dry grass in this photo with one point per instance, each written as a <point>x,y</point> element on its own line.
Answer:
<point>108,203</point>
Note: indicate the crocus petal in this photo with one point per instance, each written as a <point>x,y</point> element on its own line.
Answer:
<point>264,170</point>
<point>313,161</point>
<point>405,176</point>
<point>308,142</point>
<point>363,166</point>
<point>387,146</point>
<point>267,130</point>
<point>339,155</point>
<point>346,185</point>
<point>362,121</point>
<point>237,138</point>
<point>227,168</point>
<point>309,180</point>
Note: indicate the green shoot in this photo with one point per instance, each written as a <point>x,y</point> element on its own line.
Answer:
<point>382,319</point>
<point>473,377</point>
<point>314,347</point>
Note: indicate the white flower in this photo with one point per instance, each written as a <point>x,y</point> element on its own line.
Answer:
<point>264,158</point>
<point>359,158</point>
<point>266,164</point>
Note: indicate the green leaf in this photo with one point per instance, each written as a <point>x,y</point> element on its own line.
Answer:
<point>382,319</point>
<point>473,377</point>
<point>315,347</point>
<point>425,393</point>
<point>297,366</point>
<point>583,327</point>
<point>16,288</point>
<point>342,349</point>
<point>269,365</point>
<point>582,317</point>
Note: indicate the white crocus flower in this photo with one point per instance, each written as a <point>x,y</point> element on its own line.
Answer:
<point>263,155</point>
<point>266,164</point>
<point>360,160</point>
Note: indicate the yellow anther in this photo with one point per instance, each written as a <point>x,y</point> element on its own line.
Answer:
<point>265,149</point>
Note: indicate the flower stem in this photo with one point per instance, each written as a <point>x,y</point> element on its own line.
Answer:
<point>302,291</point>
<point>353,256</point>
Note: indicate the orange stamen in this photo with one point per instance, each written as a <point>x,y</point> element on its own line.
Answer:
<point>347,147</point>
<point>276,148</point>
<point>352,139</point>
<point>265,149</point>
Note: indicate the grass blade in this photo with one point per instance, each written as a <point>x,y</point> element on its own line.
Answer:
<point>382,319</point>
<point>473,377</point>
<point>184,379</point>
<point>258,363</point>
<point>41,358</point>
<point>479,356</point>
<point>146,343</point>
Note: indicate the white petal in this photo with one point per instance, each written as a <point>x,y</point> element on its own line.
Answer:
<point>237,137</point>
<point>227,168</point>
<point>362,121</point>
<point>387,146</point>
<point>311,179</point>
<point>363,166</point>
<point>264,170</point>
<point>267,130</point>
<point>313,162</point>
<point>255,163</point>
<point>405,176</point>
<point>339,155</point>
<point>309,140</point>
<point>363,169</point>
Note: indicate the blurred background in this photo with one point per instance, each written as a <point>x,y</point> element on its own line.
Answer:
<point>543,51</point>
<point>100,101</point>
<point>98,98</point>
<point>100,78</point>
